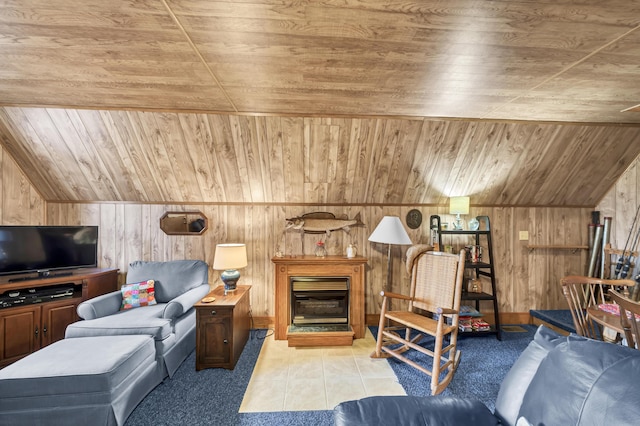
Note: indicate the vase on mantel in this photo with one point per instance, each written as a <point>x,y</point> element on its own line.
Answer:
<point>320,250</point>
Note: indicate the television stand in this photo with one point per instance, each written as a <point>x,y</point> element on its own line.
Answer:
<point>29,327</point>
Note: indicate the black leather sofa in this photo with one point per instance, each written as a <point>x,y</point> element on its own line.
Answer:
<point>557,380</point>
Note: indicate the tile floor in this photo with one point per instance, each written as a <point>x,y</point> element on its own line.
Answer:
<point>297,379</point>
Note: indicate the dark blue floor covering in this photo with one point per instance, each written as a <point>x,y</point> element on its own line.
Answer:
<point>213,396</point>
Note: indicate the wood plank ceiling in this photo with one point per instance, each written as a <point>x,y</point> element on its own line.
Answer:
<point>334,101</point>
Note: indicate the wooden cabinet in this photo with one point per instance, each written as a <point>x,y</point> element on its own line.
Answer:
<point>19,333</point>
<point>222,328</point>
<point>27,328</point>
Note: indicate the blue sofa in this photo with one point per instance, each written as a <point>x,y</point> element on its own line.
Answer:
<point>179,284</point>
<point>557,380</point>
<point>113,358</point>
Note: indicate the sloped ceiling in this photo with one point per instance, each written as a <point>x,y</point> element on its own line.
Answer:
<point>518,103</point>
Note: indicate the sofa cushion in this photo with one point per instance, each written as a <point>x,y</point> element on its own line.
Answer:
<point>145,320</point>
<point>139,294</point>
<point>598,385</point>
<point>521,373</point>
<point>413,411</point>
<point>172,278</point>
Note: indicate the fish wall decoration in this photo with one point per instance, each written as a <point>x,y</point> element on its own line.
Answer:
<point>322,222</point>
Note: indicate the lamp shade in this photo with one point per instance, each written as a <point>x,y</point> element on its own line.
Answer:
<point>230,256</point>
<point>390,231</point>
<point>459,205</point>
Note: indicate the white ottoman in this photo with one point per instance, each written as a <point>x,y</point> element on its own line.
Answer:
<point>79,381</point>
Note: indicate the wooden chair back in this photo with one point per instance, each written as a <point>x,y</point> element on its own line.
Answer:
<point>629,318</point>
<point>582,292</point>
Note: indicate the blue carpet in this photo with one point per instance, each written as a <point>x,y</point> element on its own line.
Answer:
<point>213,396</point>
<point>484,362</point>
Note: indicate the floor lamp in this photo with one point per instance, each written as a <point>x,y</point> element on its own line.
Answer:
<point>390,231</point>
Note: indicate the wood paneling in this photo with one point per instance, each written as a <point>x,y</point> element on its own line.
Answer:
<point>543,60</point>
<point>147,157</point>
<point>525,279</point>
<point>20,203</point>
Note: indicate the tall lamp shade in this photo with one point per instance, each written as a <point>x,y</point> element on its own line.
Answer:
<point>458,206</point>
<point>390,231</point>
<point>229,258</point>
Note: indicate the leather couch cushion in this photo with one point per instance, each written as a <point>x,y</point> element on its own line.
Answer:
<point>413,411</point>
<point>585,382</point>
<point>172,278</point>
<point>521,373</point>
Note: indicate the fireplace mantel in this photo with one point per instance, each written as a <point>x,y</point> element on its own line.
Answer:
<point>314,266</point>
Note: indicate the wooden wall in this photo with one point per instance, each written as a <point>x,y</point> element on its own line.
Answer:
<point>621,204</point>
<point>20,203</point>
<point>526,279</point>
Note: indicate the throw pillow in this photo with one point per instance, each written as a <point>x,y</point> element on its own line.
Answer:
<point>138,294</point>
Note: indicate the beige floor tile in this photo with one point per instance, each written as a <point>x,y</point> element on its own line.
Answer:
<point>341,389</point>
<point>374,367</point>
<point>306,368</point>
<point>382,386</point>
<point>305,395</point>
<point>317,378</point>
<point>264,396</point>
<point>274,369</point>
<point>337,351</point>
<point>300,353</point>
<point>337,366</point>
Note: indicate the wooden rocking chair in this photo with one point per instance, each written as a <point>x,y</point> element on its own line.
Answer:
<point>434,306</point>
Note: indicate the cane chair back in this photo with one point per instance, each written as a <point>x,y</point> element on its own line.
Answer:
<point>629,318</point>
<point>433,310</point>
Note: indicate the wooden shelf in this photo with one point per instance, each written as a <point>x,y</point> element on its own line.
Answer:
<point>532,247</point>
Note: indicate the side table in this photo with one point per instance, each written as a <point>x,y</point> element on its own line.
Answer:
<point>222,328</point>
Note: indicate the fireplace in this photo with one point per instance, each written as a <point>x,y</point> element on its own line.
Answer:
<point>318,301</point>
<point>328,300</point>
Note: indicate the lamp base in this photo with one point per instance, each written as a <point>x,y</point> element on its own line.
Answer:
<point>457,224</point>
<point>230,277</point>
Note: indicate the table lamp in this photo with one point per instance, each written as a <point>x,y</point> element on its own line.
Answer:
<point>228,259</point>
<point>458,206</point>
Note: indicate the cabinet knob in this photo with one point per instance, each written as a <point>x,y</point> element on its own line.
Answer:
<point>44,329</point>
<point>213,312</point>
<point>37,331</point>
<point>225,341</point>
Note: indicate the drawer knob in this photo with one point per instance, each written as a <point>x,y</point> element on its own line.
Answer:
<point>213,312</point>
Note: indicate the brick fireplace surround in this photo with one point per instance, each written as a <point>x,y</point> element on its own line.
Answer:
<point>313,266</point>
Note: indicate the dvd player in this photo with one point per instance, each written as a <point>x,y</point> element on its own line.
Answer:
<point>31,296</point>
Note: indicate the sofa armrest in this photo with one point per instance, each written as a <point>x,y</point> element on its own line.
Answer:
<point>181,304</point>
<point>100,306</point>
<point>413,410</point>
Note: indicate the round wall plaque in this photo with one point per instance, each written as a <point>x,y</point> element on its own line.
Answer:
<point>414,219</point>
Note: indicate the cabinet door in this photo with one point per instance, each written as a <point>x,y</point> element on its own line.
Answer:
<point>213,338</point>
<point>19,333</point>
<point>56,316</point>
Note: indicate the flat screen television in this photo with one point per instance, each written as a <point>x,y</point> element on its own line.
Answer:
<point>42,249</point>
